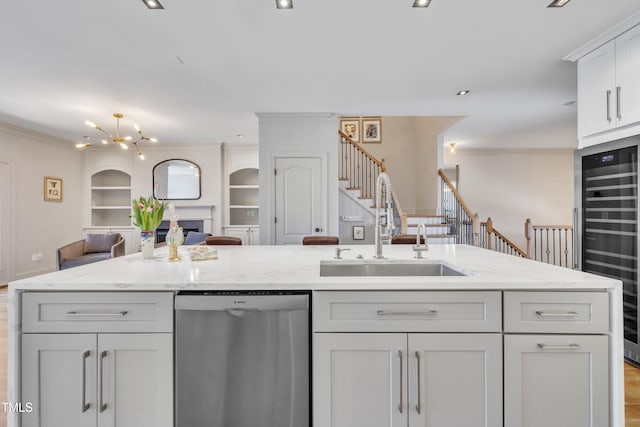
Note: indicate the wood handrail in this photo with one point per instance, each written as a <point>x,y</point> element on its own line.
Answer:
<point>359,147</point>
<point>403,216</point>
<point>455,193</point>
<point>563,227</point>
<point>491,230</point>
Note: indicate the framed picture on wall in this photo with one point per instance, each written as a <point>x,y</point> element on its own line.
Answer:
<point>351,127</point>
<point>52,189</point>
<point>371,129</point>
<point>358,232</point>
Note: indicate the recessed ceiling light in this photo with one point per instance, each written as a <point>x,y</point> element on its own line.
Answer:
<point>152,4</point>
<point>558,3</point>
<point>463,92</point>
<point>240,135</point>
<point>569,104</point>
<point>284,4</point>
<point>421,3</point>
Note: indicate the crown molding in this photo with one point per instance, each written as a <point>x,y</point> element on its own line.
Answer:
<point>604,38</point>
<point>40,136</point>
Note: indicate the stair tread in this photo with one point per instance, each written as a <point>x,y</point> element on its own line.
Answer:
<point>415,215</point>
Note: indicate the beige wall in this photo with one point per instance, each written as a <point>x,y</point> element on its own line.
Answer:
<point>410,149</point>
<point>37,226</point>
<point>512,185</point>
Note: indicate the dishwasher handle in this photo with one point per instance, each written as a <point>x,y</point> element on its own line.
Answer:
<point>273,302</point>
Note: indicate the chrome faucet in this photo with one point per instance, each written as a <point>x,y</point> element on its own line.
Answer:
<point>383,179</point>
<point>419,247</point>
<point>339,252</point>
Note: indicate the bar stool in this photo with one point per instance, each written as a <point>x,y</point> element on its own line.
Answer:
<point>223,240</point>
<point>320,240</point>
<point>405,239</point>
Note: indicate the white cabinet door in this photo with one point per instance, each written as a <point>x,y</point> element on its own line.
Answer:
<point>113,380</point>
<point>300,199</point>
<point>135,380</point>
<point>556,380</point>
<point>59,379</point>
<point>596,91</point>
<point>359,380</point>
<point>254,236</point>
<point>455,380</point>
<point>240,233</point>
<point>628,77</point>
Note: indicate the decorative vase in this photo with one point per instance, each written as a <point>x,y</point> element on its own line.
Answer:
<point>147,242</point>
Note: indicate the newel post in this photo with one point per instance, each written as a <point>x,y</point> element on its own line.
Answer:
<point>489,233</point>
<point>528,233</point>
<point>383,167</point>
<point>475,222</point>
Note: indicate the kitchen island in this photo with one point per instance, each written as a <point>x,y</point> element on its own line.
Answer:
<point>507,305</point>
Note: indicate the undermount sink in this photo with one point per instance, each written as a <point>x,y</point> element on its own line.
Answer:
<point>388,267</point>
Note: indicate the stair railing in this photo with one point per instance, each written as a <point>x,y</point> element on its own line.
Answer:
<point>400,217</point>
<point>494,240</point>
<point>359,167</point>
<point>552,244</point>
<point>462,222</point>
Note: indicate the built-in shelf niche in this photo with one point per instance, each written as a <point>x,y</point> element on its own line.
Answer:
<point>110,198</point>
<point>243,197</point>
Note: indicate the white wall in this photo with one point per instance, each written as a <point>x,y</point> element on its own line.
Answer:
<point>207,156</point>
<point>291,134</point>
<point>38,226</point>
<point>410,149</point>
<point>512,185</point>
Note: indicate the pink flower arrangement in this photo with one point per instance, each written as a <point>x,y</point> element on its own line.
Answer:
<point>147,213</point>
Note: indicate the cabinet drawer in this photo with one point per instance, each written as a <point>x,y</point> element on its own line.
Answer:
<point>97,312</point>
<point>556,312</point>
<point>407,312</point>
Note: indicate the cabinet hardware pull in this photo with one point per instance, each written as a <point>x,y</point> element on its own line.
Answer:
<point>558,347</point>
<point>96,313</point>
<point>102,405</point>
<point>609,106</point>
<point>407,313</point>
<point>618,102</point>
<point>85,405</point>
<point>419,400</point>
<point>400,405</point>
<point>557,314</point>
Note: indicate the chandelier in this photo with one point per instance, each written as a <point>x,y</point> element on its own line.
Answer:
<point>122,141</point>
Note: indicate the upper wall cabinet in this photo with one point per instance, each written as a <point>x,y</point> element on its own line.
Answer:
<point>609,90</point>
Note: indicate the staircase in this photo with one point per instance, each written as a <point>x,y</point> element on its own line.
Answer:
<point>437,228</point>
<point>359,171</point>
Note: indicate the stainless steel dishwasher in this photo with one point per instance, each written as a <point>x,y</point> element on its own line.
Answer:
<point>242,359</point>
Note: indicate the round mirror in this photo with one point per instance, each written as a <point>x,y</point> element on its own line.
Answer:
<point>176,179</point>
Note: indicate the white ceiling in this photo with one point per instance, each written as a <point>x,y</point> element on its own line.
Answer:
<point>199,70</point>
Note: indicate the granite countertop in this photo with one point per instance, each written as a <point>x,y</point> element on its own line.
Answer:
<point>298,267</point>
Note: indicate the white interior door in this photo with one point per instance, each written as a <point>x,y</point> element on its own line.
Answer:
<point>4,223</point>
<point>300,199</point>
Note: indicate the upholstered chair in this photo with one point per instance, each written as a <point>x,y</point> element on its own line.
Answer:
<point>93,248</point>
<point>195,238</point>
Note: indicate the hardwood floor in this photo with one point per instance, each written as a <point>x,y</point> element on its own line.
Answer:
<point>3,353</point>
<point>632,395</point>
<point>631,374</point>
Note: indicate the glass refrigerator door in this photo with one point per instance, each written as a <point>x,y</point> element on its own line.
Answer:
<point>610,213</point>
